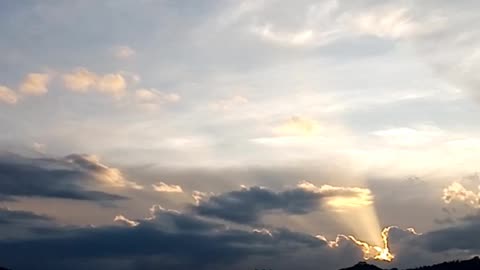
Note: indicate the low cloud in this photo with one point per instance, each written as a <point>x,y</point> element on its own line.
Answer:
<point>457,192</point>
<point>163,187</point>
<point>125,221</point>
<point>35,84</point>
<point>7,95</point>
<point>153,98</point>
<point>83,80</point>
<point>249,205</point>
<point>110,176</point>
<point>66,178</point>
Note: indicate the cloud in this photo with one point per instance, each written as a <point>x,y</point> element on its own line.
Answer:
<point>110,176</point>
<point>153,98</point>
<point>35,84</point>
<point>405,136</point>
<point>125,221</point>
<point>163,187</point>
<point>176,241</point>
<point>297,126</point>
<point>457,192</point>
<point>82,80</point>
<point>9,216</point>
<point>299,38</point>
<point>123,52</point>
<point>199,196</point>
<point>229,103</point>
<point>112,84</point>
<point>249,205</point>
<point>51,178</point>
<point>341,198</point>
<point>7,95</point>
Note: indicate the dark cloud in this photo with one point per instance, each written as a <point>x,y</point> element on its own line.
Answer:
<point>248,205</point>
<point>169,240</point>
<point>47,177</point>
<point>8,216</point>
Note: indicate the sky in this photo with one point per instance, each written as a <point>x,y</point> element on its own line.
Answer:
<point>238,133</point>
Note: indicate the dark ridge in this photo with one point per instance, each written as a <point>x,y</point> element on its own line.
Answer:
<point>363,266</point>
<point>472,264</point>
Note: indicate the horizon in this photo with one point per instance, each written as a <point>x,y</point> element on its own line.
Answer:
<point>238,133</point>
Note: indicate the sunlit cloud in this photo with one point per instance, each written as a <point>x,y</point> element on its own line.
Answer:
<point>341,198</point>
<point>35,84</point>
<point>125,221</point>
<point>163,187</point>
<point>110,176</point>
<point>457,192</point>
<point>297,126</point>
<point>112,84</point>
<point>7,95</point>
<point>82,80</point>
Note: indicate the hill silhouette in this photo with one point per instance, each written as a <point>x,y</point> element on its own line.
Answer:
<point>472,264</point>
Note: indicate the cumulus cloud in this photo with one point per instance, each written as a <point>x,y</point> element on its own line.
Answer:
<point>112,84</point>
<point>66,178</point>
<point>457,192</point>
<point>249,205</point>
<point>123,52</point>
<point>35,84</point>
<point>163,187</point>
<point>7,95</point>
<point>82,80</point>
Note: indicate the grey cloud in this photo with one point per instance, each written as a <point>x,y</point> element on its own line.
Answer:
<point>178,241</point>
<point>248,205</point>
<point>48,178</point>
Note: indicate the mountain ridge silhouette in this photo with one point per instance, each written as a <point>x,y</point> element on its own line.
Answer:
<point>471,264</point>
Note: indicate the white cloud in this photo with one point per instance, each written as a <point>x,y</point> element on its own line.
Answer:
<point>123,52</point>
<point>35,84</point>
<point>7,95</point>
<point>163,187</point>
<point>457,192</point>
<point>405,136</point>
<point>125,221</point>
